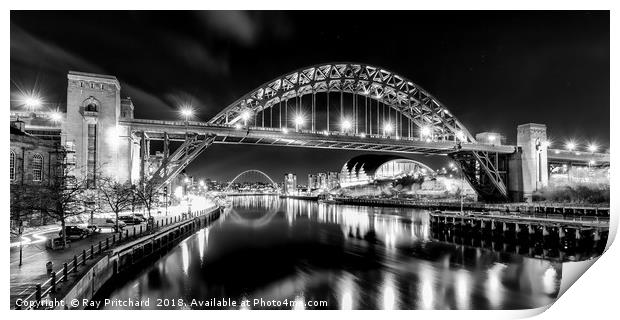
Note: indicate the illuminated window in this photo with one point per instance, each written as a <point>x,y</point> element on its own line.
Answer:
<point>37,167</point>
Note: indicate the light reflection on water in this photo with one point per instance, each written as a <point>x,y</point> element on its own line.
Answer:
<point>352,257</point>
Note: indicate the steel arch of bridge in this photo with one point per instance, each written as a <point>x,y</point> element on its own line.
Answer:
<point>250,171</point>
<point>379,84</point>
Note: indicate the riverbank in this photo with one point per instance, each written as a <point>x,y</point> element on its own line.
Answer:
<point>90,270</point>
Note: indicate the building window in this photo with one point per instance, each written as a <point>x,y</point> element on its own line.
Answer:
<point>91,156</point>
<point>91,107</point>
<point>37,167</point>
<point>12,166</point>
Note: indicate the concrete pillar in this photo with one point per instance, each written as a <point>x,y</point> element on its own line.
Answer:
<point>561,233</point>
<point>517,228</point>
<point>577,234</point>
<point>532,140</point>
<point>531,230</point>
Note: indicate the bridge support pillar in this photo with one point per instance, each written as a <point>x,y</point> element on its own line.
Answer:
<point>532,141</point>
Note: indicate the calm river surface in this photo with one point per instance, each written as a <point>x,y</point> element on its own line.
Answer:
<point>325,256</point>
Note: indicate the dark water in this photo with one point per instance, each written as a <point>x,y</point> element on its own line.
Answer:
<point>346,256</point>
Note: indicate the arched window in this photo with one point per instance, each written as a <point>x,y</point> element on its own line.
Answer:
<point>91,107</point>
<point>37,167</point>
<point>12,166</point>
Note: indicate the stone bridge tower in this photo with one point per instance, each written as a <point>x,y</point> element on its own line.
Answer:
<point>102,146</point>
<point>532,139</point>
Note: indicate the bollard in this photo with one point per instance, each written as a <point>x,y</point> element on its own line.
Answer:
<point>75,263</point>
<point>92,251</point>
<point>126,233</point>
<point>49,267</point>
<point>107,243</point>
<point>99,246</point>
<point>38,293</point>
<point>134,232</point>
<point>140,229</point>
<point>84,257</point>
<point>156,224</point>
<point>113,238</point>
<point>64,272</point>
<point>53,284</point>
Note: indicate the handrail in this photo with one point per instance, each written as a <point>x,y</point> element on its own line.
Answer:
<point>42,290</point>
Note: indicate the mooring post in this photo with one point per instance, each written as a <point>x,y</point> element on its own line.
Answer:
<point>84,256</point>
<point>75,264</point>
<point>65,271</point>
<point>38,293</point>
<point>53,284</point>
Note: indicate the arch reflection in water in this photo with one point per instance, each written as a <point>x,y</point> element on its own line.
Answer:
<point>351,257</point>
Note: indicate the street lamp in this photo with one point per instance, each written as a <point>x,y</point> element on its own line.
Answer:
<point>570,146</point>
<point>187,112</point>
<point>299,121</point>
<point>245,115</point>
<point>425,131</point>
<point>55,116</point>
<point>32,102</point>
<point>387,128</point>
<point>345,125</point>
<point>592,147</point>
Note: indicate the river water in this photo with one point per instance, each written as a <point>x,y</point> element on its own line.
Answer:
<point>270,252</point>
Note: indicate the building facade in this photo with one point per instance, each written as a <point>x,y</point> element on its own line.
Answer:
<point>33,162</point>
<point>290,183</point>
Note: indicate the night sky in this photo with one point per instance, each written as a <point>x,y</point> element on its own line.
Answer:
<point>493,70</point>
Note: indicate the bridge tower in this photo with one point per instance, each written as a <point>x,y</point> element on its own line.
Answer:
<point>92,127</point>
<point>532,140</point>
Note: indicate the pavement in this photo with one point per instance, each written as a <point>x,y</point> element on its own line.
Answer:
<point>35,254</point>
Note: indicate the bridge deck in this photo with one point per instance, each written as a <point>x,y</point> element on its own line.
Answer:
<point>330,140</point>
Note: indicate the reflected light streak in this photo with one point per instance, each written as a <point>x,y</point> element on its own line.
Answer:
<point>494,285</point>
<point>549,281</point>
<point>300,303</point>
<point>462,288</point>
<point>185,256</point>
<point>389,293</point>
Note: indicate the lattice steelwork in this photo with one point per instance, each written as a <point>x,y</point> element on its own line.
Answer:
<point>400,106</point>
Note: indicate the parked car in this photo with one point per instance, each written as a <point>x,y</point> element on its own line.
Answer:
<point>130,220</point>
<point>100,223</point>
<point>74,232</point>
<point>140,216</point>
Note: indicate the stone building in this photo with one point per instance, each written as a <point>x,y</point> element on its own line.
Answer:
<point>33,161</point>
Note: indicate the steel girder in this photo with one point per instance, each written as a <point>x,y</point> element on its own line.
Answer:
<point>366,80</point>
<point>180,158</point>
<point>482,171</point>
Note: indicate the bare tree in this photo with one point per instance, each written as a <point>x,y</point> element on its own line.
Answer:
<point>62,198</point>
<point>147,194</point>
<point>114,196</point>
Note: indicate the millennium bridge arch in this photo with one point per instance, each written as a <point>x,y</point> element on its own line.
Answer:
<point>252,173</point>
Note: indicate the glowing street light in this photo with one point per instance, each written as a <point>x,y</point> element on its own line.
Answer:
<point>299,121</point>
<point>245,115</point>
<point>346,125</point>
<point>592,147</point>
<point>387,128</point>
<point>32,101</point>
<point>492,138</point>
<point>426,131</point>
<point>570,146</point>
<point>460,135</point>
<point>56,116</point>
